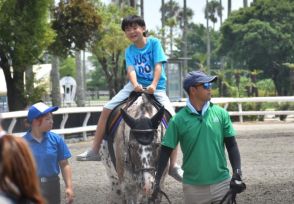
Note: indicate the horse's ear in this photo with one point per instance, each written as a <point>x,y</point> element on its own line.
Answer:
<point>156,119</point>
<point>127,118</point>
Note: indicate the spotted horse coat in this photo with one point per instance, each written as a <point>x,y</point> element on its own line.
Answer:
<point>130,155</point>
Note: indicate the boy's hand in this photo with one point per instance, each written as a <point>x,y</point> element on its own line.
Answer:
<point>138,88</point>
<point>151,89</point>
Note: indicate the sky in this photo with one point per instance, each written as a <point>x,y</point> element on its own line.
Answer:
<point>152,14</point>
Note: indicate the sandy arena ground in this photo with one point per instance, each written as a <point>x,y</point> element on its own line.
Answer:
<point>267,152</point>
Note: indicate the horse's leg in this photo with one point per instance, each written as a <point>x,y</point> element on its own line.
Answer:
<point>116,194</point>
<point>130,194</point>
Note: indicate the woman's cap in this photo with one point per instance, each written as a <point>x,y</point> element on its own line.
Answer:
<point>39,109</point>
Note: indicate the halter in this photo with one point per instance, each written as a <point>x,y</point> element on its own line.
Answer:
<point>141,138</point>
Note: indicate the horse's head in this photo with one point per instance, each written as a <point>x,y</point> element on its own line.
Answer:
<point>143,147</point>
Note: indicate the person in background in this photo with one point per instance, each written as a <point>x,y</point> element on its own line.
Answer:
<point>145,62</point>
<point>203,130</point>
<point>19,183</point>
<point>50,152</point>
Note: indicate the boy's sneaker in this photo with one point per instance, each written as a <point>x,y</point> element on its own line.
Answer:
<point>176,172</point>
<point>89,155</point>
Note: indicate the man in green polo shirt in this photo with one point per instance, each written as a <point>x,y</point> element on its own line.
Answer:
<point>203,130</point>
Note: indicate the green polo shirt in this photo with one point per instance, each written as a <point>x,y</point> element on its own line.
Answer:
<point>202,143</point>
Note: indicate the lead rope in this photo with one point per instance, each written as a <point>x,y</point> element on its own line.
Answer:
<point>230,197</point>
<point>152,200</point>
<point>165,195</point>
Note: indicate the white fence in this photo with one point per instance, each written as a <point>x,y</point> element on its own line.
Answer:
<point>14,116</point>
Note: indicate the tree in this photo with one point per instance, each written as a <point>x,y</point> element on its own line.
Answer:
<point>171,9</point>
<point>97,77</point>
<point>24,36</point>
<point>76,23</point>
<point>213,10</point>
<point>196,47</point>
<point>110,45</point>
<point>67,67</point>
<point>262,37</point>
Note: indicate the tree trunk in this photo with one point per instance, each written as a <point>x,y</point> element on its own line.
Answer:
<point>142,8</point>
<point>14,84</point>
<point>207,43</point>
<point>229,7</point>
<point>133,3</point>
<point>221,13</point>
<point>171,38</point>
<point>108,75</point>
<point>55,85</point>
<point>163,24</point>
<point>15,90</point>
<point>185,38</point>
<point>29,80</point>
<point>80,93</point>
<point>171,42</point>
<point>245,3</point>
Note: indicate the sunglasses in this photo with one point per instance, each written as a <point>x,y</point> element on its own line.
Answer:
<point>207,85</point>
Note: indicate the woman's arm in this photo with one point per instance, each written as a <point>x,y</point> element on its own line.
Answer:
<point>67,177</point>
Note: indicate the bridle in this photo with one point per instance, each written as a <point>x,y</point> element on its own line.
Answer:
<point>145,138</point>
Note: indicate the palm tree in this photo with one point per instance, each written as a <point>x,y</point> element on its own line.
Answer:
<point>171,10</point>
<point>214,9</point>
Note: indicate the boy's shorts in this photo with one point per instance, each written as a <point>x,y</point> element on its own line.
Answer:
<point>124,93</point>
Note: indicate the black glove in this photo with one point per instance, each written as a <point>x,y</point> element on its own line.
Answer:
<point>236,184</point>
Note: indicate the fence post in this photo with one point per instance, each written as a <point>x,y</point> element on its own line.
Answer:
<point>240,111</point>
<point>62,124</point>
<point>85,124</point>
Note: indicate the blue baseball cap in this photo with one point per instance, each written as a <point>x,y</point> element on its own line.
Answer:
<point>39,109</point>
<point>197,77</point>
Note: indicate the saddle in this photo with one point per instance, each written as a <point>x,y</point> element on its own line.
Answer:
<point>116,117</point>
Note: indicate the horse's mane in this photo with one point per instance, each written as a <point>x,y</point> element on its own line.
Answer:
<point>143,107</point>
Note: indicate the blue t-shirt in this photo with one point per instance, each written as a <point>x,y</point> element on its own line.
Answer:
<point>48,153</point>
<point>143,60</point>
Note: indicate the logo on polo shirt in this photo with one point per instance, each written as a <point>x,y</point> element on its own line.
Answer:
<point>215,120</point>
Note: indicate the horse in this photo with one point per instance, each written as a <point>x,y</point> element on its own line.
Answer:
<point>130,149</point>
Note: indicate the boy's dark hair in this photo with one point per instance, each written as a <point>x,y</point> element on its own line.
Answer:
<point>133,20</point>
